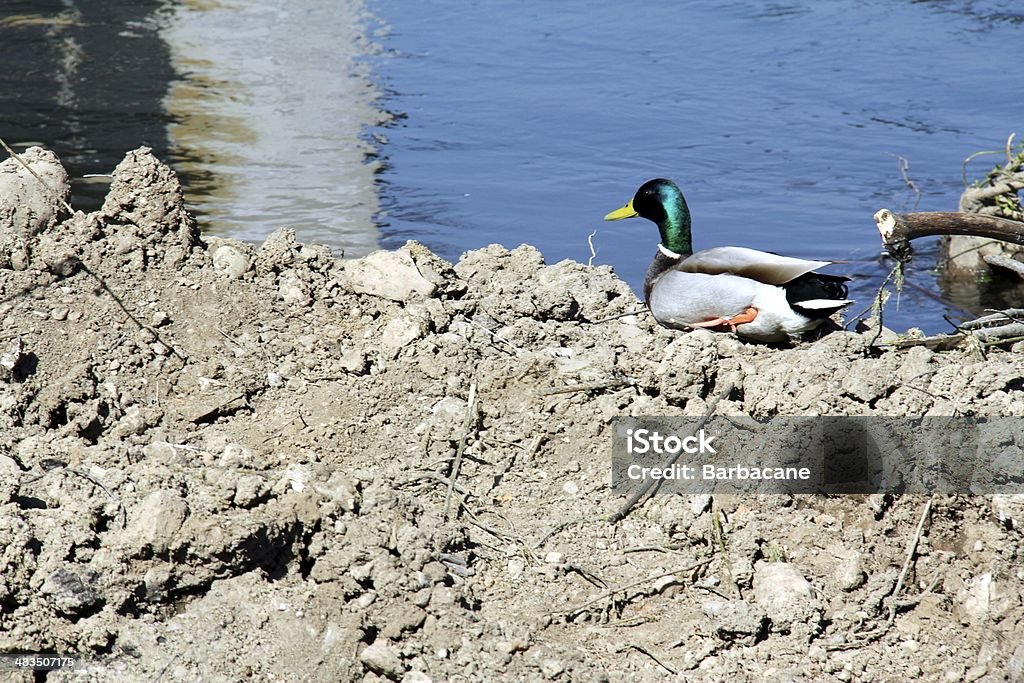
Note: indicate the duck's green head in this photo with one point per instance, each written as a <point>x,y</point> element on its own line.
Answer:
<point>662,202</point>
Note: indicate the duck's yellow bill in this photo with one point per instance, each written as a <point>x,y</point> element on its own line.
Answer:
<point>625,212</point>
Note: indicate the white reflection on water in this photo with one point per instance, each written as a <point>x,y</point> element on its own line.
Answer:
<point>268,118</point>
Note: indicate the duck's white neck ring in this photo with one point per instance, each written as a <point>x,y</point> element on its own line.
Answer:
<point>668,252</point>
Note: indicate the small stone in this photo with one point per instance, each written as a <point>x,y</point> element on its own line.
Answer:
<point>849,573</point>
<point>340,489</point>
<point>388,274</point>
<point>9,476</point>
<point>160,349</point>
<point>551,667</point>
<point>71,590</point>
<point>554,557</point>
<point>736,620</point>
<point>571,487</point>
<point>156,579</point>
<point>159,319</point>
<point>401,331</point>
<point>382,659</point>
<point>59,313</point>
<point>353,361</point>
<point>1009,508</point>
<point>10,357</point>
<point>230,261</point>
<point>787,597</point>
<point>274,379</point>
<point>983,598</point>
<point>399,619</point>
<point>236,455</point>
<point>699,502</point>
<point>156,520</point>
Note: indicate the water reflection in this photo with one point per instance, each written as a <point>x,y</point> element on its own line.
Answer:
<point>268,118</point>
<point>85,79</point>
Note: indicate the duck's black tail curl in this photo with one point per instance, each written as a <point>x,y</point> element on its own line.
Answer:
<point>817,295</point>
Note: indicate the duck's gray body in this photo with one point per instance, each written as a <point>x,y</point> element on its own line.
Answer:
<point>684,292</point>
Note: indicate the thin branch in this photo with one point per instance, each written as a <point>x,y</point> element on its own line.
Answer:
<point>633,584</point>
<point>904,165</point>
<point>457,465</point>
<point>911,551</point>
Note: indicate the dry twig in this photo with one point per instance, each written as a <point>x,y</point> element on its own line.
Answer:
<point>633,584</point>
<point>457,465</point>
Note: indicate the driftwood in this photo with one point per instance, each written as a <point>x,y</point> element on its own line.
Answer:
<point>995,329</point>
<point>897,229</point>
<point>1006,263</point>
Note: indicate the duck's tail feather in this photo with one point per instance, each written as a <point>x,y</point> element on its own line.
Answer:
<point>817,295</point>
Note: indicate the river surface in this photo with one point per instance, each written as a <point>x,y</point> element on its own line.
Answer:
<point>462,123</point>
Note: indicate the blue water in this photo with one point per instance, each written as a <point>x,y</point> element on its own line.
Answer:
<point>527,121</point>
<point>784,124</point>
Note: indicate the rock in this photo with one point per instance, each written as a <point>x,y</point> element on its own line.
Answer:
<point>398,619</point>
<point>230,261</point>
<point>551,667</point>
<point>10,358</point>
<point>353,361</point>
<point>1009,508</point>
<point>849,572</point>
<point>156,580</point>
<point>340,489</point>
<point>9,476</point>
<point>699,502</point>
<point>71,590</point>
<point>154,522</point>
<point>736,620</point>
<point>249,489</point>
<point>985,599</point>
<point>688,364</point>
<point>786,596</point>
<point>27,208</point>
<point>388,274</point>
<point>964,255</point>
<point>382,659</point>
<point>864,382</point>
<point>401,331</point>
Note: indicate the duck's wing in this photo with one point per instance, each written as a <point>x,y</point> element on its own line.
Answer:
<point>762,266</point>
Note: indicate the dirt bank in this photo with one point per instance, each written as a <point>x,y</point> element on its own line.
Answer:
<point>222,462</point>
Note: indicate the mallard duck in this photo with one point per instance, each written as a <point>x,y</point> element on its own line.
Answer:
<point>755,294</point>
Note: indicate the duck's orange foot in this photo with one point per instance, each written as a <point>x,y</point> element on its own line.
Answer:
<point>745,316</point>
